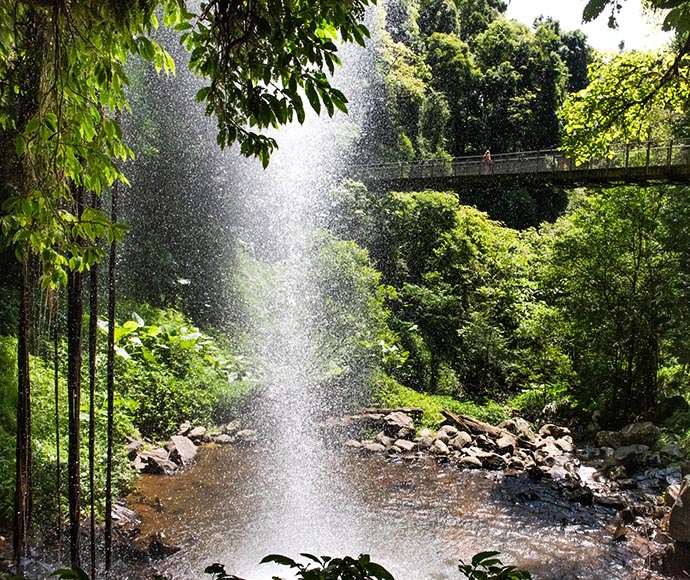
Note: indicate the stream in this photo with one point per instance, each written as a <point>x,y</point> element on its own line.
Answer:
<point>417,518</point>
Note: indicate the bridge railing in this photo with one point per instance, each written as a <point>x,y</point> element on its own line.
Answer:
<point>620,156</point>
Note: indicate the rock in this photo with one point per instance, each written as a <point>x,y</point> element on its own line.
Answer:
<point>439,448</point>
<point>353,444</point>
<point>373,448</point>
<point>645,433</point>
<point>611,501</point>
<point>231,428</point>
<point>425,433</point>
<point>671,495</point>
<point>184,450</point>
<point>462,439</point>
<point>405,445</point>
<point>485,442</point>
<point>470,462</point>
<point>246,436</point>
<point>185,428</point>
<point>398,425</point>
<point>224,439</point>
<point>631,456</point>
<point>672,452</point>
<point>155,462</point>
<point>679,521</point>
<point>446,433</point>
<point>506,443</point>
<point>608,439</point>
<point>519,427</point>
<point>384,440</point>
<point>494,461</point>
<point>551,430</point>
<point>424,442</point>
<point>197,434</point>
<point>565,444</point>
<point>159,546</point>
<point>133,447</point>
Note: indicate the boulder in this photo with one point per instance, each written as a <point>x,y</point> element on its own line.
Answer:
<point>231,428</point>
<point>133,447</point>
<point>424,442</point>
<point>645,433</point>
<point>551,430</point>
<point>224,439</point>
<point>470,462</point>
<point>506,443</point>
<point>679,521</point>
<point>246,436</point>
<point>372,447</point>
<point>405,445</point>
<point>565,444</point>
<point>156,462</point>
<point>352,444</point>
<point>485,442</point>
<point>197,434</point>
<point>462,439</point>
<point>672,452</point>
<point>183,450</point>
<point>398,425</point>
<point>446,433</point>
<point>384,440</point>
<point>439,448</point>
<point>519,427</point>
<point>611,439</point>
<point>184,428</point>
<point>631,456</point>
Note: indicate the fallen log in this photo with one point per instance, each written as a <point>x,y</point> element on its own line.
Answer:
<point>475,427</point>
<point>412,411</point>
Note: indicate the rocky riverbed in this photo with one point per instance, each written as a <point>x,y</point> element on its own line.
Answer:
<point>625,473</point>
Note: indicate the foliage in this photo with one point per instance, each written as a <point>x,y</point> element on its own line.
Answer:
<point>169,371</point>
<point>628,99</point>
<point>390,393</point>
<point>617,270</point>
<point>485,566</point>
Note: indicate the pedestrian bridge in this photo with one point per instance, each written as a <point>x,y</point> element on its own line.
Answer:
<point>625,163</point>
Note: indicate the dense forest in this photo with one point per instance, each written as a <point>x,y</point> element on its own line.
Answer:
<point>525,300</point>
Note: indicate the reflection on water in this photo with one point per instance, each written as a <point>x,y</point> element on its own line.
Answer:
<point>415,518</point>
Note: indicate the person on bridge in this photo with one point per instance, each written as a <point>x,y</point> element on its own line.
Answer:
<point>486,163</point>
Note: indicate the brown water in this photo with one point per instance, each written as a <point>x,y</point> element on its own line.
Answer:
<point>416,518</point>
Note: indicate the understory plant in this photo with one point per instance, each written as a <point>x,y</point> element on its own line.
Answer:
<point>486,566</point>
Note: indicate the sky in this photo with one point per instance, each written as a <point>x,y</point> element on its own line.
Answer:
<point>635,28</point>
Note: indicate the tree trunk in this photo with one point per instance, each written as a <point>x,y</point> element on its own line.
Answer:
<point>93,333</point>
<point>111,392</point>
<point>22,495</point>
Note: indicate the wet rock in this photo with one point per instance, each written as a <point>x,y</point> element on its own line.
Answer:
<point>424,442</point>
<point>485,442</point>
<point>506,443</point>
<point>519,427</point>
<point>615,502</point>
<point>565,444</point>
<point>155,462</point>
<point>425,433</point>
<point>439,448</point>
<point>159,546</point>
<point>183,450</point>
<point>224,439</point>
<point>671,495</point>
<point>352,444</point>
<point>679,521</point>
<point>631,456</point>
<point>470,462</point>
<point>611,439</point>
<point>372,447</point>
<point>231,428</point>
<point>645,433</point>
<point>197,434</point>
<point>555,431</point>
<point>384,440</point>
<point>494,461</point>
<point>461,440</point>
<point>405,445</point>
<point>398,425</point>
<point>246,436</point>
<point>580,494</point>
<point>446,433</point>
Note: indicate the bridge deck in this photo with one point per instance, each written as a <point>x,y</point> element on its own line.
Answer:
<point>625,163</point>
